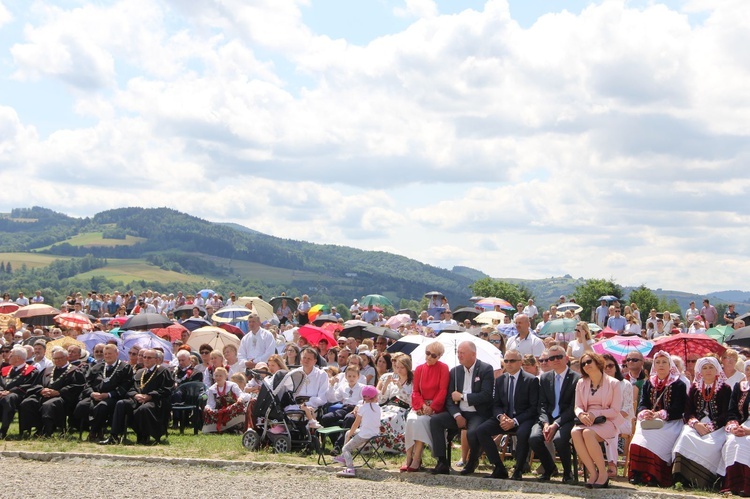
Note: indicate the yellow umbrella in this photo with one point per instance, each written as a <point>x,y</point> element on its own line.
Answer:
<point>257,305</point>
<point>488,317</point>
<point>64,342</point>
<point>214,336</point>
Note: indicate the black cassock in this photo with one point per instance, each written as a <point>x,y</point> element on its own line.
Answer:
<point>148,419</point>
<point>18,381</point>
<point>48,413</point>
<point>116,380</point>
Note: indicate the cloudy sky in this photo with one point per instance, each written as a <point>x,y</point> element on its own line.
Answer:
<point>604,140</point>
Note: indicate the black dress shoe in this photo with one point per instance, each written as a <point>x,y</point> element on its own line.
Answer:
<point>601,485</point>
<point>470,467</point>
<point>441,469</point>
<point>517,477</point>
<point>499,472</point>
<point>636,479</point>
<point>111,440</point>
<point>569,480</point>
<point>544,478</point>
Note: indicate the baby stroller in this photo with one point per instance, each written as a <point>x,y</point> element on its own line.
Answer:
<point>283,430</point>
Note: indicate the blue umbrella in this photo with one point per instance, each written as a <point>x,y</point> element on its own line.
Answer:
<point>93,339</point>
<point>205,292</point>
<point>508,329</point>
<point>608,298</point>
<point>146,339</point>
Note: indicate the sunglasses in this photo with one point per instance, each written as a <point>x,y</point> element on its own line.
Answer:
<point>633,360</point>
<point>555,357</point>
<point>496,342</point>
<point>433,355</point>
<point>484,335</point>
<point>543,361</point>
<point>609,366</point>
<point>587,362</point>
<point>690,361</point>
<point>511,361</point>
<point>205,352</point>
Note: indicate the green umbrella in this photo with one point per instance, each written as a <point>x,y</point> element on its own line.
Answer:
<point>720,333</point>
<point>375,300</point>
<point>558,326</point>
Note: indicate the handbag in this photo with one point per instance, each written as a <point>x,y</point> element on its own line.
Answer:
<point>652,424</point>
<point>597,420</point>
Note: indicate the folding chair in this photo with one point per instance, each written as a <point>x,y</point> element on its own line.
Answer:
<point>371,450</point>
<point>322,436</point>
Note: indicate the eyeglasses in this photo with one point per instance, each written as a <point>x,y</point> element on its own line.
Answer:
<point>690,361</point>
<point>511,361</point>
<point>633,360</point>
<point>433,355</point>
<point>149,356</point>
<point>132,354</point>
<point>587,362</point>
<point>609,366</point>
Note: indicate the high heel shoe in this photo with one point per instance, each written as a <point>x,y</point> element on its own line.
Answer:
<point>414,469</point>
<point>591,484</point>
<point>404,468</point>
<point>601,485</point>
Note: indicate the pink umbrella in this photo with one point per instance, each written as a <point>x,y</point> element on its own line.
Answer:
<point>74,320</point>
<point>398,320</point>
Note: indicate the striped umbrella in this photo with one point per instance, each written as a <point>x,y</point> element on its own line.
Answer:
<point>73,320</point>
<point>490,303</point>
<point>228,315</point>
<point>682,344</point>
<point>620,346</point>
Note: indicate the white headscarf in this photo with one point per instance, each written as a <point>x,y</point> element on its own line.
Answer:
<point>721,378</point>
<point>744,385</point>
<point>674,373</point>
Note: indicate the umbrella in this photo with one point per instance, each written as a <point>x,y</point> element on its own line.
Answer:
<point>558,326</point>
<point>314,334</point>
<point>486,352</point>
<point>73,320</point>
<point>740,337</point>
<point>594,327</point>
<point>233,329</point>
<point>508,329</point>
<point>205,292</point>
<point>607,332</point>
<point>64,342</point>
<point>720,333</point>
<point>398,320</point>
<point>232,313</point>
<point>332,327</point>
<point>187,311</point>
<point>9,307</point>
<point>275,302</point>
<point>317,310</point>
<point>433,294</point>
<point>145,339</point>
<point>607,298</point>
<point>384,331</point>
<point>325,319</point>
<point>620,346</point>
<point>492,302</point>
<point>412,313</point>
<point>407,344</point>
<point>357,329</point>
<point>489,316</point>
<point>375,300</point>
<point>96,337</point>
<point>146,321</point>
<point>119,321</point>
<point>257,305</point>
<point>682,344</point>
<point>443,327</point>
<point>463,313</point>
<point>214,336</point>
<point>476,298</point>
<point>573,307</point>
<point>194,323</point>
<point>170,333</point>
<point>37,314</point>
<point>744,318</point>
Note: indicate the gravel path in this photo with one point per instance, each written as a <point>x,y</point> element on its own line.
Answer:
<point>82,477</point>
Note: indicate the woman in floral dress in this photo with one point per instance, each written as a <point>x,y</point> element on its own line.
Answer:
<point>395,399</point>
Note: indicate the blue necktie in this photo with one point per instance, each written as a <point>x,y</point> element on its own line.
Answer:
<point>511,405</point>
<point>558,386</point>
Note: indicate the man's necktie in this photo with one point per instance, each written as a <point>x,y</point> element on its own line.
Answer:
<point>558,386</point>
<point>511,393</point>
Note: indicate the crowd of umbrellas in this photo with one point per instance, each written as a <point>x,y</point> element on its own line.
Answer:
<point>227,326</point>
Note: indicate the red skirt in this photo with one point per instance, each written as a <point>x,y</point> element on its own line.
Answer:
<point>650,466</point>
<point>737,478</point>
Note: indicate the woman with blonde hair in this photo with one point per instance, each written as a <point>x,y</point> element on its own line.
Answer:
<point>582,342</point>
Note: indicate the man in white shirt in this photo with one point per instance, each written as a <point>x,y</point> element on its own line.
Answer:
<point>525,342</point>
<point>447,318</point>
<point>602,313</point>
<point>38,298</point>
<point>257,345</point>
<point>314,385</point>
<point>40,361</point>
<point>691,313</point>
<point>545,320</point>
<point>531,311</point>
<point>354,309</point>
<point>22,301</point>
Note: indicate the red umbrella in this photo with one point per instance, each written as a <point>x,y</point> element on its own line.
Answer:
<point>332,327</point>
<point>682,344</point>
<point>8,308</point>
<point>233,329</point>
<point>74,320</point>
<point>119,321</point>
<point>607,332</point>
<point>171,333</point>
<point>314,334</point>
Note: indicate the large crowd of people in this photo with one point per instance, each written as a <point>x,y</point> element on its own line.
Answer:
<point>679,418</point>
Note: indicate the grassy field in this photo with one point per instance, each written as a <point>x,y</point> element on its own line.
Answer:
<point>267,273</point>
<point>32,260</point>
<point>126,270</point>
<point>88,239</point>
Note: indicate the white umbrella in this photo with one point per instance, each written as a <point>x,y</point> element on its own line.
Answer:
<point>572,306</point>
<point>257,305</point>
<point>486,352</point>
<point>489,316</point>
<point>214,336</point>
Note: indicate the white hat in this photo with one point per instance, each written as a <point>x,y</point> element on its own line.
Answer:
<point>354,300</point>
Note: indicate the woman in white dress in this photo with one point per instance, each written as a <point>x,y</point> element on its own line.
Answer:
<point>663,399</point>
<point>698,451</point>
<point>395,400</point>
<point>737,449</point>
<point>582,342</point>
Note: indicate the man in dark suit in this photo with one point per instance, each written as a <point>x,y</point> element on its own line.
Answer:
<point>557,394</point>
<point>468,404</point>
<point>106,383</point>
<point>515,410</point>
<point>49,403</point>
<point>17,379</point>
<point>145,403</point>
